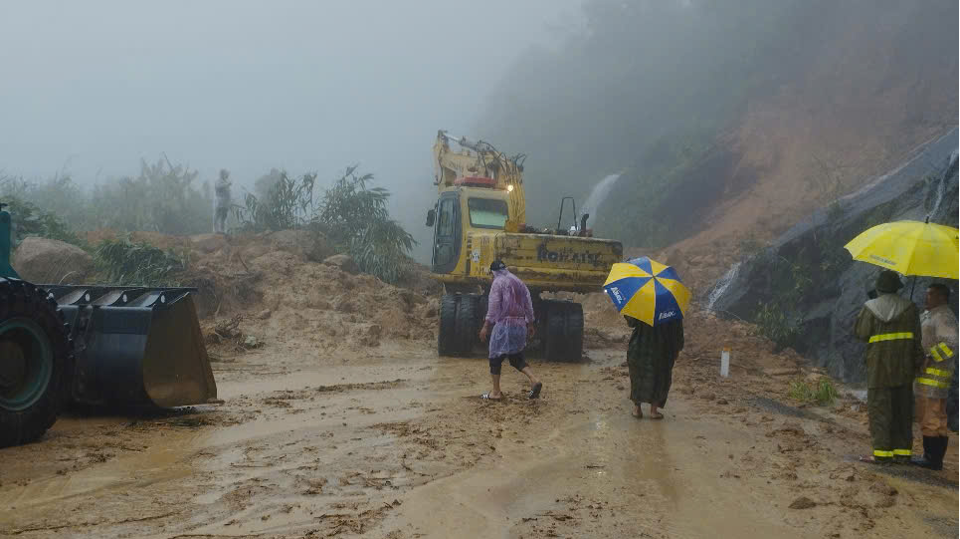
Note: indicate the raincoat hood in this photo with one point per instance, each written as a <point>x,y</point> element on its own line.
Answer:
<point>888,306</point>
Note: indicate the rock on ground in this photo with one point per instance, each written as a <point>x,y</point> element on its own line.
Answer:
<point>311,245</point>
<point>45,261</point>
<point>209,243</point>
<point>346,263</point>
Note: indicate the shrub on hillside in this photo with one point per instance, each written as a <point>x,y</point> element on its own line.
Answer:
<point>356,218</point>
<point>821,393</point>
<point>353,215</point>
<point>122,262</point>
<point>286,205</point>
<point>163,198</point>
<point>30,220</point>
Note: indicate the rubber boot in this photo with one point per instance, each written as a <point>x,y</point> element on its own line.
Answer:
<point>944,442</point>
<point>931,448</point>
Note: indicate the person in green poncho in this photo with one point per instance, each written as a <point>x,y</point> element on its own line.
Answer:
<point>650,356</point>
<point>890,325</point>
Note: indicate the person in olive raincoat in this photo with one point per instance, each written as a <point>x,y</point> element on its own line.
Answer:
<point>890,325</point>
<point>650,357</point>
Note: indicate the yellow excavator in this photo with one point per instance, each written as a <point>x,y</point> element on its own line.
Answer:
<point>480,216</point>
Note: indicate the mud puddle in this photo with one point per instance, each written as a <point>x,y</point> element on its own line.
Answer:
<point>650,477</point>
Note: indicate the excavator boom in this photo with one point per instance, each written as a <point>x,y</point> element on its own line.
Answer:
<point>481,159</point>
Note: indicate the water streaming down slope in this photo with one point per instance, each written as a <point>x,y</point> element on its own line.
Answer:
<point>942,188</point>
<point>598,195</point>
<point>722,285</point>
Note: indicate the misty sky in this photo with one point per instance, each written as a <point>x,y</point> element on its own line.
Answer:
<point>94,86</point>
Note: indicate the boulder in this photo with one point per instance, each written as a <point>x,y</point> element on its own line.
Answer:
<point>209,243</point>
<point>46,261</point>
<point>346,263</point>
<point>308,244</point>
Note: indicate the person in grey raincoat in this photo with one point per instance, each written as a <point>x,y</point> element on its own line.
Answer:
<point>222,208</point>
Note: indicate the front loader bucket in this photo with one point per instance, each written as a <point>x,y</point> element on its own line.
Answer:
<point>136,346</point>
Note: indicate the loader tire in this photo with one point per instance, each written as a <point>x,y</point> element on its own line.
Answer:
<point>562,329</point>
<point>468,324</point>
<point>446,338</point>
<point>35,359</point>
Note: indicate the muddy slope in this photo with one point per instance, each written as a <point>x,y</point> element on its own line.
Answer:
<point>811,256</point>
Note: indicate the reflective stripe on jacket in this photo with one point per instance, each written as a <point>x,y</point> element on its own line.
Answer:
<point>939,341</point>
<point>890,325</point>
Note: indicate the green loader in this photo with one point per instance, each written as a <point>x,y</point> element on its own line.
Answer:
<point>123,347</point>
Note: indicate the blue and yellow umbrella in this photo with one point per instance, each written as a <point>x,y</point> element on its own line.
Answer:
<point>647,290</point>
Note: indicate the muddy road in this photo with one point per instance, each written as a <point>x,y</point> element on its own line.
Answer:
<point>394,443</point>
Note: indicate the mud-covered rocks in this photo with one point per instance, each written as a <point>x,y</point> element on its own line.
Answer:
<point>46,261</point>
<point>310,245</point>
<point>209,243</point>
<point>346,263</point>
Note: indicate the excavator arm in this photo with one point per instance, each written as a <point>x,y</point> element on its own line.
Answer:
<point>481,159</point>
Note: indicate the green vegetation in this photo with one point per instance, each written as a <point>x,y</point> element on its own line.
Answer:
<point>822,393</point>
<point>286,204</point>
<point>162,198</point>
<point>351,214</point>
<point>30,220</point>
<point>123,262</point>
<point>357,220</point>
<point>775,323</point>
<point>779,318</point>
<point>165,198</point>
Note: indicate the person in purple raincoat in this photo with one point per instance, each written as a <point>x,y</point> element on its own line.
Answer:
<point>510,314</point>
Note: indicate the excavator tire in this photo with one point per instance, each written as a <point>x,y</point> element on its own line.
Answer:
<point>562,329</point>
<point>468,324</point>
<point>35,360</point>
<point>446,338</point>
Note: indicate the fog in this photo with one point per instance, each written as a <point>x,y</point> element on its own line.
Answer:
<point>90,88</point>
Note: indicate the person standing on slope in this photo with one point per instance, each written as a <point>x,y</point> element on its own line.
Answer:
<point>890,325</point>
<point>222,192</point>
<point>510,313</point>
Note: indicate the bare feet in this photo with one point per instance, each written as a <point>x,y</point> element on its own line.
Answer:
<point>637,412</point>
<point>654,414</point>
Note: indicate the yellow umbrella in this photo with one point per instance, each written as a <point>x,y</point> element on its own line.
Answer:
<point>909,248</point>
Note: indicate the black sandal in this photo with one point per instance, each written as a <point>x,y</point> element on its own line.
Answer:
<point>535,392</point>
